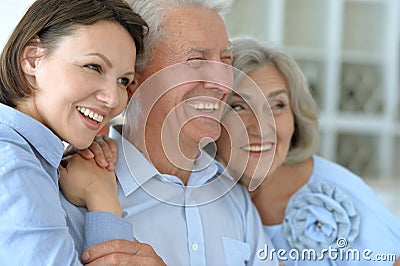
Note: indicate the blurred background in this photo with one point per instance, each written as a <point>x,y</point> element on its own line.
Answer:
<point>350,51</point>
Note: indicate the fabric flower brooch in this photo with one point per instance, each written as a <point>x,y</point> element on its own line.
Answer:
<point>320,215</point>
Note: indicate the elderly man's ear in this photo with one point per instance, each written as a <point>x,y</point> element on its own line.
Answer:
<point>134,86</point>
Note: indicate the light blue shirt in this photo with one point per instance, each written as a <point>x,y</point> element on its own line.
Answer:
<point>344,199</point>
<point>33,226</point>
<point>211,221</point>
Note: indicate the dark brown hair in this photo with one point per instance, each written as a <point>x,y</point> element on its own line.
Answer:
<point>51,20</point>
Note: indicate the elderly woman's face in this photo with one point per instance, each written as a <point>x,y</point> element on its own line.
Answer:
<point>258,141</point>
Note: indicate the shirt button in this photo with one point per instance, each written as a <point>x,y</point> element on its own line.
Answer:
<point>195,246</point>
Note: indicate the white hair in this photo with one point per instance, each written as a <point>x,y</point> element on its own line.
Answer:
<point>132,116</point>
<point>154,12</point>
<point>248,55</point>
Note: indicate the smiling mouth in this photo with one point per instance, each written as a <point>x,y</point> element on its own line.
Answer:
<point>205,106</point>
<point>89,113</point>
<point>258,148</point>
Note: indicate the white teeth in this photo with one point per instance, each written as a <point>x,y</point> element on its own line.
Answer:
<point>90,114</point>
<point>258,148</point>
<point>208,107</point>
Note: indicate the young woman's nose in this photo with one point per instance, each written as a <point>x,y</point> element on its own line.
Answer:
<point>109,95</point>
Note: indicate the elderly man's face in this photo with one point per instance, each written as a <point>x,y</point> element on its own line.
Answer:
<point>192,109</point>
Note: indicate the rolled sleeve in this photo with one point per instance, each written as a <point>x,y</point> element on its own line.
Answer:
<point>104,226</point>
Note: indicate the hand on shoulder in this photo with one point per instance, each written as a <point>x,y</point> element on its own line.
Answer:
<point>85,184</point>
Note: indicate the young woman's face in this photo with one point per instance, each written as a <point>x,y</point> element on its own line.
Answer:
<point>82,83</point>
<point>250,149</point>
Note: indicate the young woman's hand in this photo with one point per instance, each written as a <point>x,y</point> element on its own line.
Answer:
<point>85,184</point>
<point>103,150</point>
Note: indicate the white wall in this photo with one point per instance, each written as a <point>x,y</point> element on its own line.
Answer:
<point>11,12</point>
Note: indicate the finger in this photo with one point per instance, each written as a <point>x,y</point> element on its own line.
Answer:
<point>86,154</point>
<point>98,153</point>
<point>144,249</point>
<point>108,150</point>
<point>127,259</point>
<point>113,148</point>
<point>109,247</point>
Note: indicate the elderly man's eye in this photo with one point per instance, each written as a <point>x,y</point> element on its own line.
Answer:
<point>195,62</point>
<point>237,107</point>
<point>123,81</point>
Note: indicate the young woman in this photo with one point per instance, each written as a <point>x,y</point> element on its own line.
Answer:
<point>305,202</point>
<point>64,74</point>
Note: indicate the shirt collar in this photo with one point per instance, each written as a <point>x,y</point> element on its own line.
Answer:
<point>204,169</point>
<point>133,169</point>
<point>41,138</point>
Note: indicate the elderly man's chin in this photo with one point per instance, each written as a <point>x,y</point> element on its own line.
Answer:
<point>203,129</point>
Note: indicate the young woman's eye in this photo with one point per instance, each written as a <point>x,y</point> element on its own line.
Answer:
<point>94,67</point>
<point>123,81</point>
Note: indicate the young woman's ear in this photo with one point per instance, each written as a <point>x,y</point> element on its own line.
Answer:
<point>31,57</point>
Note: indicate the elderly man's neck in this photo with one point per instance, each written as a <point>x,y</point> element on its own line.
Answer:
<point>167,157</point>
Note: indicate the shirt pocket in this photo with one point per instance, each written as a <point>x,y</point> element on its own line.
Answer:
<point>236,252</point>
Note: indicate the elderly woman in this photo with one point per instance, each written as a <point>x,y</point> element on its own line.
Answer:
<point>312,208</point>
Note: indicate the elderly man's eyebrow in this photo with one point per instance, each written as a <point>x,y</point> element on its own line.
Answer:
<point>206,50</point>
<point>197,50</point>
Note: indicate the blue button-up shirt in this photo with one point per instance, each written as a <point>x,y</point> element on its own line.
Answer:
<point>33,226</point>
<point>211,221</point>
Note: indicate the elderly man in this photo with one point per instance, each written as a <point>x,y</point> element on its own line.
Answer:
<point>178,199</point>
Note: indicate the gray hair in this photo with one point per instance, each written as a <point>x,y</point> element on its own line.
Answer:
<point>249,54</point>
<point>133,116</point>
<point>154,12</point>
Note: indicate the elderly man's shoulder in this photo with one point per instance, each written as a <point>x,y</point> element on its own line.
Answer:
<point>237,193</point>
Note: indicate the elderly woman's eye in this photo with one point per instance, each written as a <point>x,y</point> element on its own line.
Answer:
<point>279,105</point>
